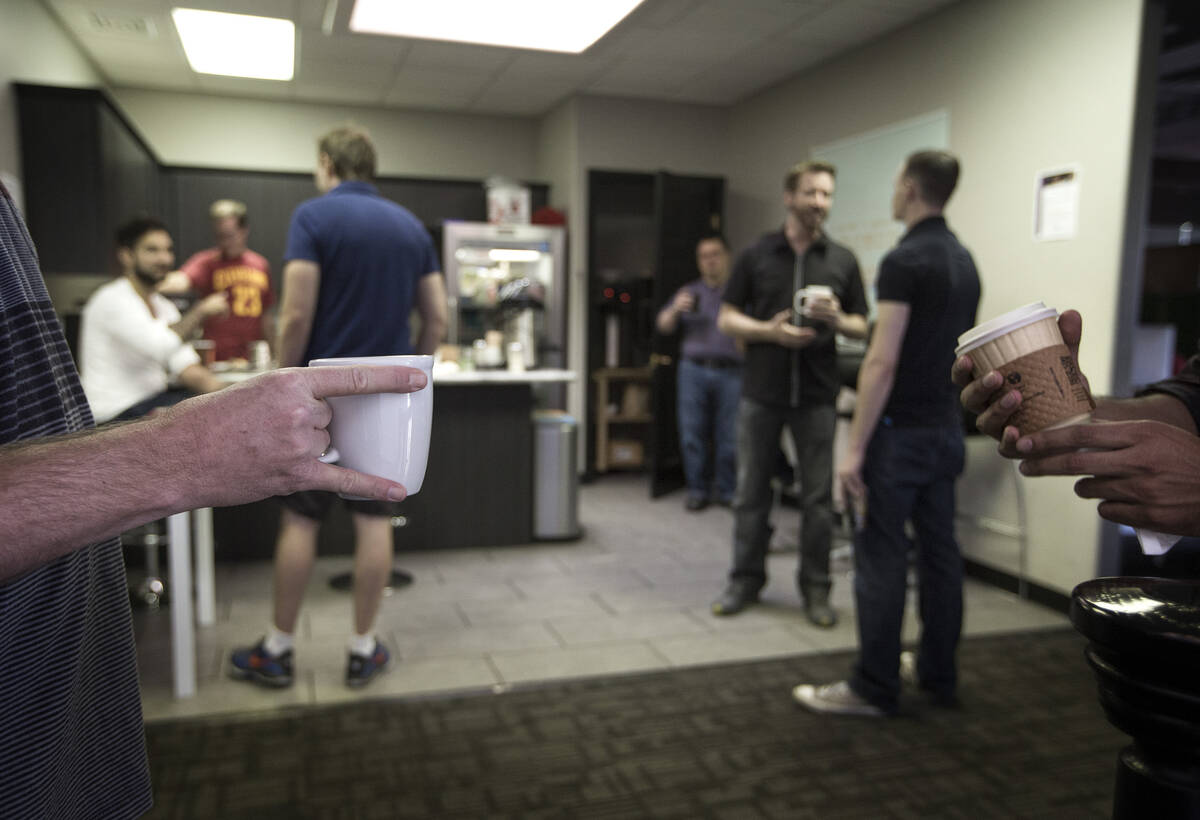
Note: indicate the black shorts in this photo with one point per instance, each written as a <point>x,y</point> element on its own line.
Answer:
<point>315,504</point>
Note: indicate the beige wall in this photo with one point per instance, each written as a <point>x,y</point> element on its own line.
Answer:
<point>1028,85</point>
<point>224,132</point>
<point>33,49</point>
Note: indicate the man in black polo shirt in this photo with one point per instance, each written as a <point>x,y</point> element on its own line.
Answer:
<point>789,377</point>
<point>906,450</point>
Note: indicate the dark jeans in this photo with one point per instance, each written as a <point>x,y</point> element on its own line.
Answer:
<point>909,473</point>
<point>759,427</point>
<point>706,404</point>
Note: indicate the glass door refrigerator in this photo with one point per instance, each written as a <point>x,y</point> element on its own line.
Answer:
<point>506,288</point>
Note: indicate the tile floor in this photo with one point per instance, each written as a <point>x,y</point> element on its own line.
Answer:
<point>632,595</point>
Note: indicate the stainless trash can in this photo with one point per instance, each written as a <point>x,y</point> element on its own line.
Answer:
<point>555,477</point>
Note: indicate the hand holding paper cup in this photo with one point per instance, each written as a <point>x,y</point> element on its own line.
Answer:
<point>1027,349</point>
<point>383,434</point>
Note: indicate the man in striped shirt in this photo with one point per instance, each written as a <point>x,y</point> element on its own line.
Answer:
<point>71,741</point>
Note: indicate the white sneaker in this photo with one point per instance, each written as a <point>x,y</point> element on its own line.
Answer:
<point>834,699</point>
<point>908,669</point>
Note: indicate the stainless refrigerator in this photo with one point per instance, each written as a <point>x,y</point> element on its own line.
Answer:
<point>509,280</point>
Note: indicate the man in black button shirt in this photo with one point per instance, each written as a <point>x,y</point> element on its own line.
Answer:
<point>790,377</point>
<point>906,450</point>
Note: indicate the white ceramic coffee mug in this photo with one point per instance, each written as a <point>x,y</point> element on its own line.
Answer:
<point>805,295</point>
<point>383,434</point>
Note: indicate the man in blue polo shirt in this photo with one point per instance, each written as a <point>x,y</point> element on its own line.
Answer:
<point>356,266</point>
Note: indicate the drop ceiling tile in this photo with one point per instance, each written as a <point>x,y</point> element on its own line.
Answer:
<point>430,54</point>
<point>354,47</point>
<point>705,51</point>
<point>335,73</point>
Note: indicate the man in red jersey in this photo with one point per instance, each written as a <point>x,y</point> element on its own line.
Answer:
<point>235,270</point>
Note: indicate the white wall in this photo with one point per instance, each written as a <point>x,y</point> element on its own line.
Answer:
<point>33,49</point>
<point>1028,85</point>
<point>226,132</point>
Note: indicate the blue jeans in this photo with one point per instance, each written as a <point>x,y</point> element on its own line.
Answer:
<point>759,429</point>
<point>909,473</point>
<point>706,404</point>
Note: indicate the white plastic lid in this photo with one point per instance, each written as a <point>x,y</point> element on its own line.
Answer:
<point>1002,324</point>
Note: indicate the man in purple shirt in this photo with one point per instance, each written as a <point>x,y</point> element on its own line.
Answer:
<point>710,379</point>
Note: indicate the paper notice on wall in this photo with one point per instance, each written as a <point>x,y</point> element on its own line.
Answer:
<point>1056,208</point>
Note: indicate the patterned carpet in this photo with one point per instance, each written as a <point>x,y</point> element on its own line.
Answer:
<point>726,742</point>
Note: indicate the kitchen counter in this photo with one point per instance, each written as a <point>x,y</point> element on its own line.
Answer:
<point>548,376</point>
<point>502,376</point>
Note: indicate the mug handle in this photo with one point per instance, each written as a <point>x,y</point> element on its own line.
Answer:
<point>330,456</point>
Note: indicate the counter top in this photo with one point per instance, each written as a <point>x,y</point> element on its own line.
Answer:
<point>460,377</point>
<point>503,377</point>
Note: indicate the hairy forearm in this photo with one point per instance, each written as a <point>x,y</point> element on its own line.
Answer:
<point>96,484</point>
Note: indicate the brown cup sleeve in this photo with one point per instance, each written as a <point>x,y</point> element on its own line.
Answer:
<point>1052,388</point>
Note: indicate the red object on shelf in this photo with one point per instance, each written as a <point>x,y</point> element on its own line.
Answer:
<point>548,216</point>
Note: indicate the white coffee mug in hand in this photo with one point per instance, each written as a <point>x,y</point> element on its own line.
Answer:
<point>383,434</point>
<point>803,296</point>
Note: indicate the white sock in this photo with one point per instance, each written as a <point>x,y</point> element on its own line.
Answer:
<point>277,642</point>
<point>361,645</point>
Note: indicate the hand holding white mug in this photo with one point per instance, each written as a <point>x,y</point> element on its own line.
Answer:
<point>817,302</point>
<point>385,434</point>
<point>263,436</point>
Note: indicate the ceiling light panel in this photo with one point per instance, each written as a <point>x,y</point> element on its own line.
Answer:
<point>237,45</point>
<point>544,25</point>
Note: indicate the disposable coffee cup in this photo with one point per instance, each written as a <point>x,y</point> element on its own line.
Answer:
<point>383,434</point>
<point>1027,349</point>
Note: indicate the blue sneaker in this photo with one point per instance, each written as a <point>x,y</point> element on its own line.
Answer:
<point>360,669</point>
<point>255,664</point>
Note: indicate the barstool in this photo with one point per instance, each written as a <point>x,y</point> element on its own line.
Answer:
<point>152,590</point>
<point>1144,647</point>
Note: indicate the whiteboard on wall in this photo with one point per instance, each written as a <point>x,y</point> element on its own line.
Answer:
<point>861,217</point>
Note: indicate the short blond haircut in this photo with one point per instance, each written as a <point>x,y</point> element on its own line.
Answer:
<point>809,166</point>
<point>350,152</point>
<point>224,208</point>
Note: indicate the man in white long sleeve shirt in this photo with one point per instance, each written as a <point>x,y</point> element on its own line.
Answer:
<point>134,354</point>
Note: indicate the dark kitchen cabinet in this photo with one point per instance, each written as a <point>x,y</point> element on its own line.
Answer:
<point>642,235</point>
<point>85,171</point>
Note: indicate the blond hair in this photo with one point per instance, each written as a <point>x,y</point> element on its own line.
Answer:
<point>350,152</point>
<point>224,208</point>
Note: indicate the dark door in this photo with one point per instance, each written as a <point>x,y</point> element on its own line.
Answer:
<point>686,208</point>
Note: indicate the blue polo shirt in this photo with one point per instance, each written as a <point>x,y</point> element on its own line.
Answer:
<point>371,253</point>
